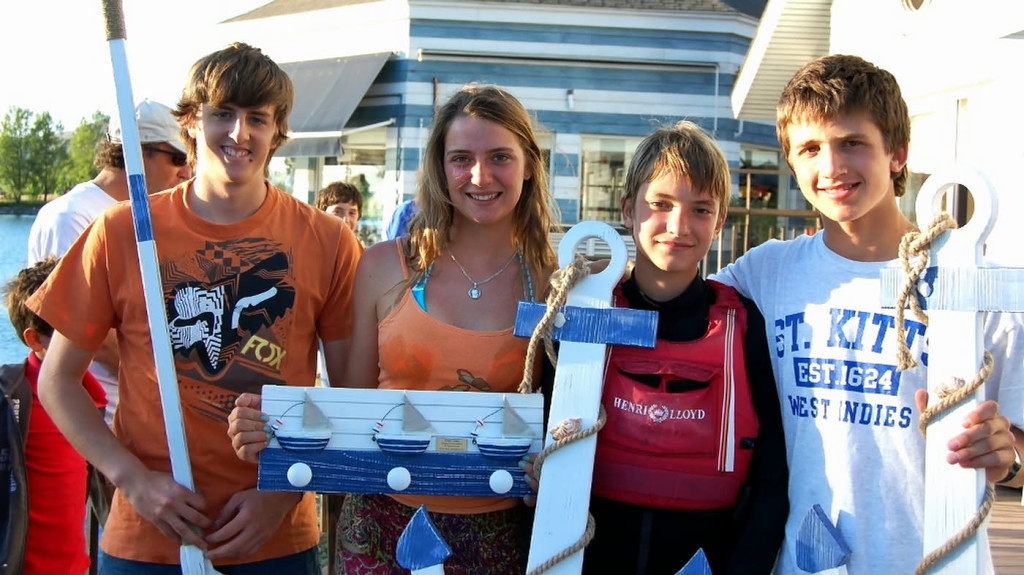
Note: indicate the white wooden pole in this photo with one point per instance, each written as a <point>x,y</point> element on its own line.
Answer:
<point>193,560</point>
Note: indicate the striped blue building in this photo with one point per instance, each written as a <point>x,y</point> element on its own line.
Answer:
<point>597,76</point>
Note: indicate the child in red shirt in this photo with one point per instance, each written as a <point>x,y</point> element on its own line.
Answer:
<point>56,472</point>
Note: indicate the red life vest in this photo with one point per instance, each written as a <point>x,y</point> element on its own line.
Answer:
<point>681,423</point>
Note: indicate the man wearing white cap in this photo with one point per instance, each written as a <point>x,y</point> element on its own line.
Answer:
<point>60,222</point>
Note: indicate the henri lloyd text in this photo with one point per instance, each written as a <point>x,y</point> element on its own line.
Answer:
<point>657,412</point>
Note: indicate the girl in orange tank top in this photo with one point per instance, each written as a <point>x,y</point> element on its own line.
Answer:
<point>434,310</point>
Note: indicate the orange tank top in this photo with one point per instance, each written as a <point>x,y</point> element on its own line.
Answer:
<point>418,351</point>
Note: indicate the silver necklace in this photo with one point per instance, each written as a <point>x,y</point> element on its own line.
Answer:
<point>474,290</point>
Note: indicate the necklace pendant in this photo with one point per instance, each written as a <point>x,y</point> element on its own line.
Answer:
<point>474,292</point>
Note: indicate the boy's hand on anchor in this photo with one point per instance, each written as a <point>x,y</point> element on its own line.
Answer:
<point>988,442</point>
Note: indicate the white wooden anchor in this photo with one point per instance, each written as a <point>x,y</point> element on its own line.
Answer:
<point>563,496</point>
<point>957,288</point>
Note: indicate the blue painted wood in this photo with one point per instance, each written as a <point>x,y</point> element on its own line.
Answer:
<point>569,209</point>
<point>565,164</point>
<point>366,115</point>
<point>697,565</point>
<point>618,326</point>
<point>365,471</point>
<point>395,71</point>
<point>421,545</point>
<point>819,544</point>
<point>568,122</point>
<point>710,42</point>
<point>700,82</point>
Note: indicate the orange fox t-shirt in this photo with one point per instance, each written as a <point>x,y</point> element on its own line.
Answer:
<point>245,303</point>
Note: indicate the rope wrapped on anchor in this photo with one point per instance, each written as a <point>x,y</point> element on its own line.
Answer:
<point>915,245</point>
<point>570,430</point>
<point>562,281</point>
<point>565,433</point>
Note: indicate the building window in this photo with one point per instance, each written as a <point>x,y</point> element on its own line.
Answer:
<point>605,160</point>
<point>759,177</point>
<point>766,204</point>
<point>362,163</point>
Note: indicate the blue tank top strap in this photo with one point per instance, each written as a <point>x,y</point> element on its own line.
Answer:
<point>527,278</point>
<point>419,289</point>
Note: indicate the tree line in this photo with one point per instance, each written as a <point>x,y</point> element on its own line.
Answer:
<point>39,161</point>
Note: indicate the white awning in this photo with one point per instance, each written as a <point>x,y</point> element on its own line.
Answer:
<point>327,92</point>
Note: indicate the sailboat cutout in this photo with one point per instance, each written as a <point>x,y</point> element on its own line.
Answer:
<point>412,439</point>
<point>421,547</point>
<point>697,565</point>
<point>515,438</point>
<point>312,436</point>
<point>819,543</point>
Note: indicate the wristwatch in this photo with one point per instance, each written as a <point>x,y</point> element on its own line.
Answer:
<point>1014,468</point>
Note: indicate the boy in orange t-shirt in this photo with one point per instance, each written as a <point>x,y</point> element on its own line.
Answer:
<point>251,277</point>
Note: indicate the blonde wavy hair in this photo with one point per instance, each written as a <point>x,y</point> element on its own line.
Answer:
<point>535,211</point>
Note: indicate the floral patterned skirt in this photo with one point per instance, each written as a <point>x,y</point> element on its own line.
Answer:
<point>482,544</point>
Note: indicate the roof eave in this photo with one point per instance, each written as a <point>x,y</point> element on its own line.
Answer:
<point>791,33</point>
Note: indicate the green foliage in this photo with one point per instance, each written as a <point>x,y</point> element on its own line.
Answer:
<point>38,161</point>
<point>83,147</point>
<point>15,133</point>
<point>47,158</point>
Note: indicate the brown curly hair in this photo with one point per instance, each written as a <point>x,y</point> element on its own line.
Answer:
<point>17,292</point>
<point>338,192</point>
<point>108,155</point>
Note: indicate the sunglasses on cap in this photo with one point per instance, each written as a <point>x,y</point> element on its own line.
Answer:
<point>177,158</point>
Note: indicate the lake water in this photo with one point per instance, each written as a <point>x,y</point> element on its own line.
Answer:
<point>13,255</point>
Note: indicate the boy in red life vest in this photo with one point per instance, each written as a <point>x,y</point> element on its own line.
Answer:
<point>692,455</point>
<point>56,473</point>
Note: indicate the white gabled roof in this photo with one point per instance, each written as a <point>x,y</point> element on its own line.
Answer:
<point>791,33</point>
